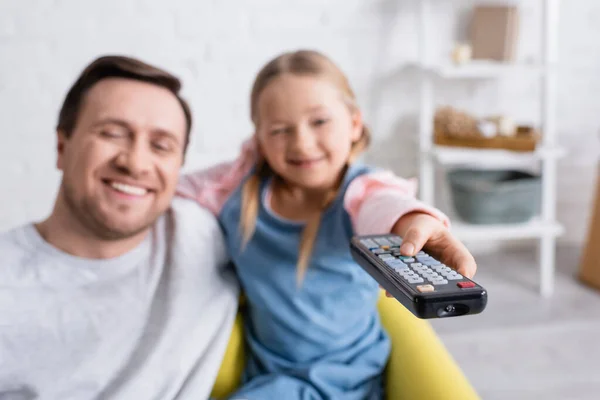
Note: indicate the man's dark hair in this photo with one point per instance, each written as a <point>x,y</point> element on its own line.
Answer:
<point>117,67</point>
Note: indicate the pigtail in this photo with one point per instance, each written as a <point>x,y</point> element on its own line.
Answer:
<point>311,230</point>
<point>309,235</point>
<point>251,201</point>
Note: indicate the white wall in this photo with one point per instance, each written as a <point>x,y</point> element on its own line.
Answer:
<point>217,47</point>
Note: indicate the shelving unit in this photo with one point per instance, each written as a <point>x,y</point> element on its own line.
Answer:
<point>545,227</point>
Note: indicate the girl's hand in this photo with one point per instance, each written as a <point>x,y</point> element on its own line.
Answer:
<point>423,231</point>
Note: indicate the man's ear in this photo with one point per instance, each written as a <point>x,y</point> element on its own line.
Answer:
<point>357,125</point>
<point>61,142</point>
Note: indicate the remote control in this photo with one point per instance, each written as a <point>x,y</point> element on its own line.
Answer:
<point>428,288</point>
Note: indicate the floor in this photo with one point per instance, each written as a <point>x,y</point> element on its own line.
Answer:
<point>523,346</point>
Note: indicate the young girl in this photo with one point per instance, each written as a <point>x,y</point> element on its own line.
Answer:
<point>289,206</point>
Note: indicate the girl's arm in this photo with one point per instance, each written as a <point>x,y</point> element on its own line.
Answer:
<point>212,187</point>
<point>377,201</point>
<point>383,203</point>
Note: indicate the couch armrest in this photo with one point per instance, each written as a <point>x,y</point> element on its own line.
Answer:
<point>420,367</point>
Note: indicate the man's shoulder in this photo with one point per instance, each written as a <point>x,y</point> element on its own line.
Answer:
<point>183,206</point>
<point>188,214</point>
<point>195,230</point>
<point>15,248</point>
<point>14,238</point>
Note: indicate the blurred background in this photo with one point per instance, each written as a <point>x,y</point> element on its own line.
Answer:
<point>450,89</point>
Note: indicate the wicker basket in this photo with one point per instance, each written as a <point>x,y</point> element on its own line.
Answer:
<point>457,128</point>
<point>523,142</point>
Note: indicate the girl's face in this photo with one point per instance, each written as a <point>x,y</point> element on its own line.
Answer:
<point>305,130</point>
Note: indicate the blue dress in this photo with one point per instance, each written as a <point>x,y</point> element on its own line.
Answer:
<point>320,340</point>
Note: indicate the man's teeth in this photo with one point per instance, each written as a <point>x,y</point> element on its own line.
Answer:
<point>128,189</point>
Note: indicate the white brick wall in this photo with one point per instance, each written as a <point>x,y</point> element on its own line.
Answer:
<point>218,46</point>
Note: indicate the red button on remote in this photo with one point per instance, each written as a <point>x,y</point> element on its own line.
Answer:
<point>465,285</point>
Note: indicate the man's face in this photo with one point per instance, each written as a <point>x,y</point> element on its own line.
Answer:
<point>121,163</point>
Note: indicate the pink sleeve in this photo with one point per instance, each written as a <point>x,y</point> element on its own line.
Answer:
<point>212,187</point>
<point>377,200</point>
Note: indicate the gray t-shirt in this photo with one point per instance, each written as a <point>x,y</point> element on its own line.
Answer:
<point>151,324</point>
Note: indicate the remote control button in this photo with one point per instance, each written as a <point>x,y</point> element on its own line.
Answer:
<point>386,248</point>
<point>454,277</point>
<point>422,253</point>
<point>416,265</point>
<point>380,251</point>
<point>370,244</point>
<point>386,257</point>
<point>431,262</point>
<point>415,280</point>
<point>425,288</point>
<point>383,242</point>
<point>407,259</point>
<point>395,240</point>
<point>441,282</point>
<point>465,284</point>
<point>394,262</point>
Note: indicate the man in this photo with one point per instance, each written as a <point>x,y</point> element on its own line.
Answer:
<point>121,293</point>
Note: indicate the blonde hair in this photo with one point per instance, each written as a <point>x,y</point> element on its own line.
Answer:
<point>304,63</point>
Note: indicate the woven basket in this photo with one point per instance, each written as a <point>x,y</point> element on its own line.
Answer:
<point>525,140</point>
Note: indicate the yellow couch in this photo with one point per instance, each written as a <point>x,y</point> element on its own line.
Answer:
<point>420,368</point>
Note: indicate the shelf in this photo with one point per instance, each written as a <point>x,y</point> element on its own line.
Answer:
<point>480,70</point>
<point>529,230</point>
<point>491,157</point>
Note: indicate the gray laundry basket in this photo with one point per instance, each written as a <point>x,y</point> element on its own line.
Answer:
<point>495,196</point>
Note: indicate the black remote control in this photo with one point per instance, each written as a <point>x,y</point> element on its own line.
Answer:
<point>425,286</point>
